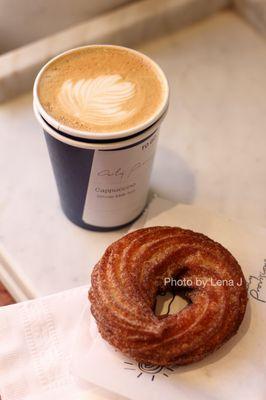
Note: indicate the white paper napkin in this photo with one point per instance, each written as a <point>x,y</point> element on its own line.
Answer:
<point>237,370</point>
<point>36,338</point>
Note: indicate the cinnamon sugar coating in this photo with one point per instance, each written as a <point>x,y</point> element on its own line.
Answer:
<point>126,280</point>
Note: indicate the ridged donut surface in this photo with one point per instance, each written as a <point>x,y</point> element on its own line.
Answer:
<point>135,268</point>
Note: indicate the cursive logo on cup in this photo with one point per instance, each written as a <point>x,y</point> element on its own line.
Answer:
<point>124,173</point>
<point>98,101</point>
<point>257,285</point>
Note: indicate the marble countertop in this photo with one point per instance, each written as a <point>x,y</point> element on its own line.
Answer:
<point>210,153</point>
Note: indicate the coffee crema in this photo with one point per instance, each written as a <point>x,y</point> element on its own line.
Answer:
<point>102,89</point>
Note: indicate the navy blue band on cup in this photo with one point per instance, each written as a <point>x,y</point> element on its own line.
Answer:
<point>101,186</point>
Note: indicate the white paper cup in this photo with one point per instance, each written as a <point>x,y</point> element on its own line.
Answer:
<point>102,181</point>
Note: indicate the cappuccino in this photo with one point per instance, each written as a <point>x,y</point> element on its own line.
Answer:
<point>101,108</point>
<point>102,89</point>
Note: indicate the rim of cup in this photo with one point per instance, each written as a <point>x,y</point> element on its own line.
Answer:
<point>92,145</point>
<point>106,135</point>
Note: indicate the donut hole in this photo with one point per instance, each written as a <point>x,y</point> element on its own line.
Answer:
<point>170,302</point>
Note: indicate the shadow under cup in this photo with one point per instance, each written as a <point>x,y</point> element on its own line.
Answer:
<point>102,184</point>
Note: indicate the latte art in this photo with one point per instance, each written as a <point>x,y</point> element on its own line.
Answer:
<point>102,89</point>
<point>99,101</point>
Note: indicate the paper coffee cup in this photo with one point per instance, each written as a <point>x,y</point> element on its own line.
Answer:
<point>102,180</point>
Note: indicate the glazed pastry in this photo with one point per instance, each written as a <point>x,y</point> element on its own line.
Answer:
<point>134,269</point>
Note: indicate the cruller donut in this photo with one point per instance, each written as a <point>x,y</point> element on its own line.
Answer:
<point>135,268</point>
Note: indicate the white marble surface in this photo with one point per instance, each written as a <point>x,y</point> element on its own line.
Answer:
<point>133,23</point>
<point>45,19</point>
<point>211,151</point>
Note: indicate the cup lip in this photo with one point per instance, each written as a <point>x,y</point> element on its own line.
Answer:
<point>105,135</point>
<point>98,145</point>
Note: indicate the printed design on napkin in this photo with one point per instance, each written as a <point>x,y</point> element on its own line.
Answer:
<point>257,285</point>
<point>142,368</point>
